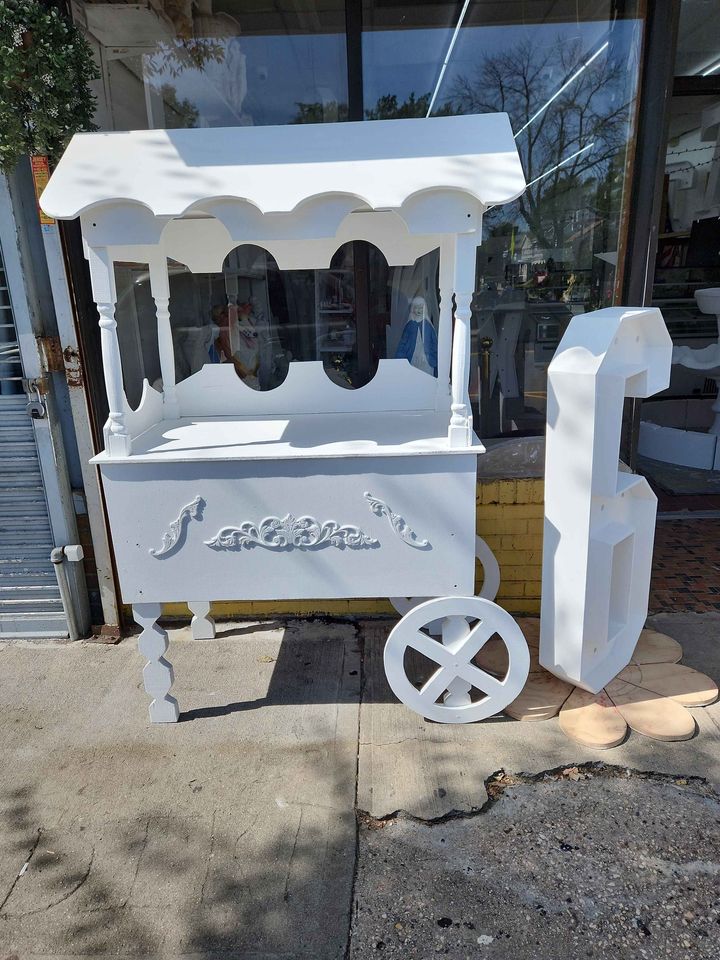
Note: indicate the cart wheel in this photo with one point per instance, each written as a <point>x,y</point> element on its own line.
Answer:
<point>467,625</point>
<point>490,587</point>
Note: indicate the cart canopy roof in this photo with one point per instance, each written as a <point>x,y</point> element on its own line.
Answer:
<point>382,163</point>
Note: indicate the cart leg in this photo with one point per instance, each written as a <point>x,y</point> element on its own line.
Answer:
<point>158,672</point>
<point>202,624</point>
<point>458,691</point>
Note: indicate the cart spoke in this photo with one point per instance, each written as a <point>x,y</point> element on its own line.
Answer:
<point>482,681</point>
<point>470,645</point>
<point>455,661</point>
<point>430,648</point>
<point>437,684</point>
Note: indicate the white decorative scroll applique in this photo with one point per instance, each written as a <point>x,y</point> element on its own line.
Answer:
<point>175,535</point>
<point>398,523</point>
<point>289,532</point>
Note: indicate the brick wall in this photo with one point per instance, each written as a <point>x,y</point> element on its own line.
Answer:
<point>509,518</point>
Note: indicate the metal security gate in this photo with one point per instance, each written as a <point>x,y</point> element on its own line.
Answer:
<point>30,604</point>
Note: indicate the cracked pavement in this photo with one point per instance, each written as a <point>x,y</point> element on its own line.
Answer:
<point>612,863</point>
<point>234,833</point>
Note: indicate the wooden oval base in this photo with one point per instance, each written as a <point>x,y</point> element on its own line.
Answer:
<point>649,696</point>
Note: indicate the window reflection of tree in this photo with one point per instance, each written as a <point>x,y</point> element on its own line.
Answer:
<point>550,249</point>
<point>592,110</point>
<point>386,108</point>
<point>173,57</point>
<point>179,112</point>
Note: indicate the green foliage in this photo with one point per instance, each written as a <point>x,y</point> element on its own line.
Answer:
<point>175,56</point>
<point>388,108</point>
<point>320,112</point>
<point>45,68</point>
<point>178,113</point>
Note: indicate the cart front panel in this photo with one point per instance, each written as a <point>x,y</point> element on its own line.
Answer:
<point>304,529</point>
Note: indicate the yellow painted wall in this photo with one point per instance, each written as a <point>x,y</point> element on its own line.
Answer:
<point>509,518</point>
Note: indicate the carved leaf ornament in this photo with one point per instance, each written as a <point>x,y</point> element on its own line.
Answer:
<point>176,530</point>
<point>282,533</point>
<point>398,523</point>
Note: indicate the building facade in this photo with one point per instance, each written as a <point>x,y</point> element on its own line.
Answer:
<point>615,106</point>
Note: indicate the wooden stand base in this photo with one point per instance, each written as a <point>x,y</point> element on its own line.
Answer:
<point>650,695</point>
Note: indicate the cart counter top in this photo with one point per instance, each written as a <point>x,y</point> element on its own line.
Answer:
<point>309,436</point>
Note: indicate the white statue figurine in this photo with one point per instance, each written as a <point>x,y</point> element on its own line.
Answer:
<point>418,343</point>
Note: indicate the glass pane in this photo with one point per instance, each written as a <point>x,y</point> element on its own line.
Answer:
<point>698,47</point>
<point>261,319</point>
<point>688,254</point>
<point>677,441</point>
<point>566,73</point>
<point>136,330</point>
<point>219,63</point>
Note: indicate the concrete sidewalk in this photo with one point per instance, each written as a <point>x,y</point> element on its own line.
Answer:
<point>233,833</point>
<point>429,770</point>
<point>606,865</point>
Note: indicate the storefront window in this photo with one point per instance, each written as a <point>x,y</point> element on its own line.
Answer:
<point>567,74</point>
<point>565,71</point>
<point>678,440</point>
<point>688,256</point>
<point>218,63</point>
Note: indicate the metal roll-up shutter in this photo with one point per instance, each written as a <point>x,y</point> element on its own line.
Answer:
<point>30,604</point>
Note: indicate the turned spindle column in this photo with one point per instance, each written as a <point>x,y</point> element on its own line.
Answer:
<point>158,676</point>
<point>117,439</point>
<point>202,625</point>
<point>461,418</point>
<point>460,430</point>
<point>160,289</point>
<point>445,327</point>
<point>454,631</point>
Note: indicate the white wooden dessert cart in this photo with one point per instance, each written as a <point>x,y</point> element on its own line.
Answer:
<point>217,491</point>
